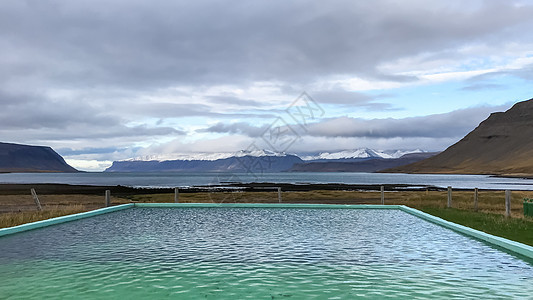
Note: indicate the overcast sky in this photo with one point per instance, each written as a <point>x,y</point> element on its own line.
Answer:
<point>109,80</point>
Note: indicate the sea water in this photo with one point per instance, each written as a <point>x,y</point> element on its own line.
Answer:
<point>164,179</point>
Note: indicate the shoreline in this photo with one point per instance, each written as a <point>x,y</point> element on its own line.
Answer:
<point>119,190</point>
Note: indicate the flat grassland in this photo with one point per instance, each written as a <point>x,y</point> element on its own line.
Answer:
<point>18,207</point>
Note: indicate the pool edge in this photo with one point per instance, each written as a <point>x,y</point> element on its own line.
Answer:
<point>265,205</point>
<point>507,244</point>
<point>62,219</point>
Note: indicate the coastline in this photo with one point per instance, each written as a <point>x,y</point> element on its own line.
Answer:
<point>119,190</point>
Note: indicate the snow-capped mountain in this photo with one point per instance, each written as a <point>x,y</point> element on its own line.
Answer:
<point>360,153</point>
<point>203,156</point>
<point>257,161</point>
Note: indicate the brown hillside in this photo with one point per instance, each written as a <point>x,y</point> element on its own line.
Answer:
<point>501,145</point>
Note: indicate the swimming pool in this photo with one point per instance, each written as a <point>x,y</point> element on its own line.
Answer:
<point>256,252</point>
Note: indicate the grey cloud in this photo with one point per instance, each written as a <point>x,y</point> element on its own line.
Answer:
<point>488,79</point>
<point>481,86</point>
<point>134,108</point>
<point>235,101</point>
<point>33,111</point>
<point>89,150</point>
<point>524,73</point>
<point>454,124</point>
<point>168,110</point>
<point>236,128</point>
<point>351,99</point>
<point>90,134</point>
<point>31,117</point>
<point>134,44</point>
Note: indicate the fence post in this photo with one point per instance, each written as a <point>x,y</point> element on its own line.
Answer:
<point>36,199</point>
<point>507,203</point>
<point>176,195</point>
<point>107,198</point>
<point>449,196</point>
<point>279,194</point>
<point>475,199</point>
<point>382,195</point>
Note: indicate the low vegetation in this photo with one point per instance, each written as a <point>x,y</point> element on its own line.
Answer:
<point>20,209</point>
<point>516,229</point>
<point>17,218</point>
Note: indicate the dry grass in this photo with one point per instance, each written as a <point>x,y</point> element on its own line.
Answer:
<point>21,203</point>
<point>18,218</point>
<point>20,209</point>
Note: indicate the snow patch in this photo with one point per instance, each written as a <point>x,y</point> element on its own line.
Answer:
<point>206,156</point>
<point>361,153</point>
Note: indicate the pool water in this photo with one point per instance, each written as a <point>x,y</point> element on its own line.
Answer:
<point>256,253</point>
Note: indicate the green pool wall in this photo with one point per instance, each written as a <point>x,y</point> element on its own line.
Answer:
<point>512,246</point>
<point>509,245</point>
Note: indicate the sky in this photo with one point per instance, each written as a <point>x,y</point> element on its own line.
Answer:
<point>109,80</point>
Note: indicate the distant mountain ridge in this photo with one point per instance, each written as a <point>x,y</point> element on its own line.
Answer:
<point>25,158</point>
<point>251,161</point>
<point>360,153</point>
<point>362,165</point>
<point>241,164</point>
<point>201,156</point>
<point>501,145</point>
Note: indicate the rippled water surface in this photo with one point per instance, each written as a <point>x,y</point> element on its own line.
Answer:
<point>256,253</point>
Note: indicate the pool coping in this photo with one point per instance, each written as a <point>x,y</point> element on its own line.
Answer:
<point>265,205</point>
<point>504,243</point>
<point>507,244</point>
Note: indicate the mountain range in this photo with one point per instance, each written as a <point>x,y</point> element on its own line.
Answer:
<point>361,165</point>
<point>267,161</point>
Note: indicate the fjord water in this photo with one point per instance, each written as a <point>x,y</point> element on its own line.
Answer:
<point>256,253</point>
<point>167,179</point>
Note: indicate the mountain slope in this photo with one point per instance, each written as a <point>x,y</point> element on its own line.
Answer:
<point>24,158</point>
<point>501,145</point>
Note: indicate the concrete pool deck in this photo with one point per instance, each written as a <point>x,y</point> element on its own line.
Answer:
<point>509,245</point>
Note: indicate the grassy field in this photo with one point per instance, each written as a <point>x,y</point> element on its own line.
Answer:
<point>516,229</point>
<point>19,209</point>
